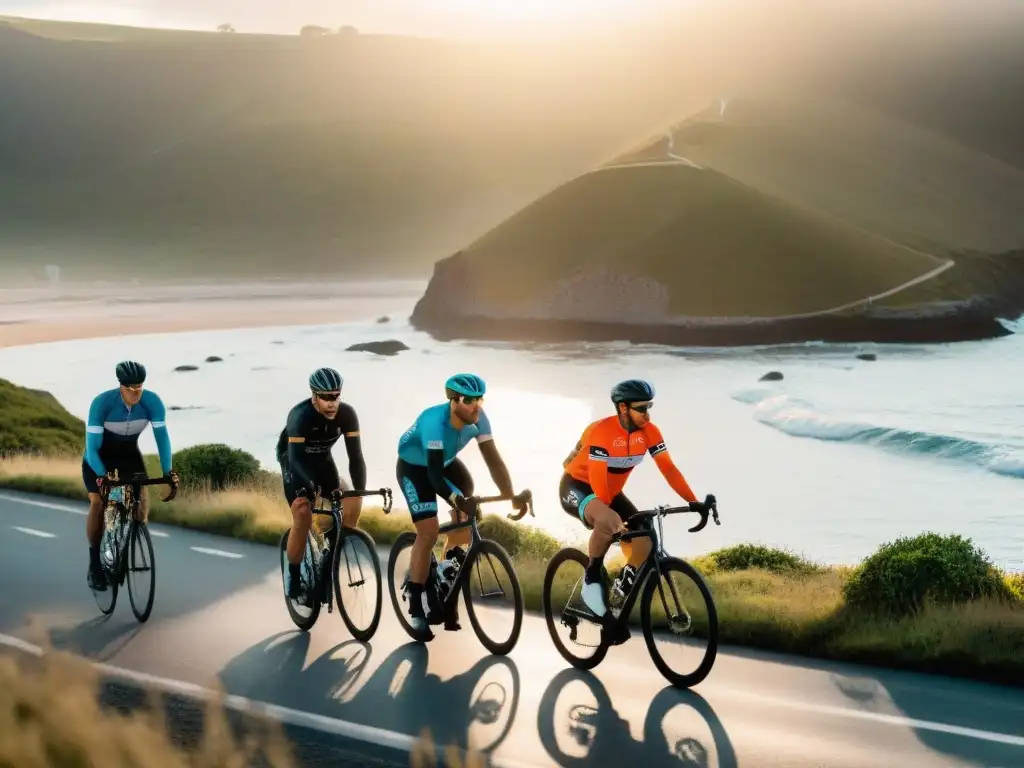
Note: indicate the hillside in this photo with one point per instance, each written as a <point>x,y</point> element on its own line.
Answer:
<point>34,422</point>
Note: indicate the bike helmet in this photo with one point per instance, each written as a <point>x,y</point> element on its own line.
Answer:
<point>467,384</point>
<point>632,391</point>
<point>325,380</point>
<point>129,373</point>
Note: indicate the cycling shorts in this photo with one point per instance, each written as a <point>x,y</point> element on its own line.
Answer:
<point>419,492</point>
<point>127,460</point>
<point>575,495</point>
<point>325,476</point>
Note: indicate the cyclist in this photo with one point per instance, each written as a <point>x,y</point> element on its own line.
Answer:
<point>304,453</point>
<point>597,470</point>
<point>428,468</point>
<point>116,419</point>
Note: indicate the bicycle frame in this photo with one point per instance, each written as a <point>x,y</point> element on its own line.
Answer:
<point>127,509</point>
<point>651,565</point>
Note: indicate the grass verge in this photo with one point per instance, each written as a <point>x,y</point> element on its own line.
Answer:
<point>765,598</point>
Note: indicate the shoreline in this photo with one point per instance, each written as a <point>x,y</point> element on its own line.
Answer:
<point>41,315</point>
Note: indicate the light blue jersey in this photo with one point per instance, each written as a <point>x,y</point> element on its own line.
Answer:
<point>113,426</point>
<point>433,430</point>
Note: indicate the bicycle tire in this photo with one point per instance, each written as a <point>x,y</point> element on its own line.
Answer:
<point>562,556</point>
<point>363,635</point>
<point>489,547</point>
<point>111,589</point>
<point>304,623</point>
<point>140,531</point>
<point>668,565</point>
<point>404,541</point>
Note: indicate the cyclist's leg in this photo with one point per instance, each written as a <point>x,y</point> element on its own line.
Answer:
<point>302,517</point>
<point>636,550</point>
<point>133,464</point>
<point>460,481</point>
<point>94,528</point>
<point>422,503</point>
<point>604,523</point>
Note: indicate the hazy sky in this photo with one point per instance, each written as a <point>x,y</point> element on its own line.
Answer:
<point>429,17</point>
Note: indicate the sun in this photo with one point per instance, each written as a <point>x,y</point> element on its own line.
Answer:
<point>521,13</point>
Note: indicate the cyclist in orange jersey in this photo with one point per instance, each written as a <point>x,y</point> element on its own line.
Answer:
<point>596,472</point>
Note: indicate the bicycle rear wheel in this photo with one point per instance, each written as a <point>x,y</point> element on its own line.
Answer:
<point>686,620</point>
<point>398,580</point>
<point>106,600</point>
<point>584,647</point>
<point>304,616</point>
<point>140,560</point>
<point>492,577</point>
<point>357,566</point>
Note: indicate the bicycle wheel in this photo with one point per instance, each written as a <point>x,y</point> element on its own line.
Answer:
<point>357,565</point>
<point>140,560</point>
<point>402,548</point>
<point>107,599</point>
<point>303,616</point>
<point>686,594</point>
<point>564,578</point>
<point>493,588</point>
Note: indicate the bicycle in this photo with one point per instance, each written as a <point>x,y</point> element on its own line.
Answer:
<point>446,586</point>
<point>321,566</point>
<point>123,527</point>
<point>614,624</point>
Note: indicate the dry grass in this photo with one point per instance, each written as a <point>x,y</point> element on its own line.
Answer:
<point>765,598</point>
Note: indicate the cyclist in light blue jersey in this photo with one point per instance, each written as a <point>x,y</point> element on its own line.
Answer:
<point>428,468</point>
<point>116,419</point>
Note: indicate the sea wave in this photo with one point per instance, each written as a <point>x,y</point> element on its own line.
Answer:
<point>800,419</point>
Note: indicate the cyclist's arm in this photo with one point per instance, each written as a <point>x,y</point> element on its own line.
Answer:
<point>572,454</point>
<point>353,446</point>
<point>296,432</point>
<point>158,418</point>
<point>495,464</point>
<point>668,468</point>
<point>432,436</point>
<point>94,436</point>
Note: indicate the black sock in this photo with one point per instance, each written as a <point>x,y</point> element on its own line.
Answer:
<point>94,557</point>
<point>594,570</point>
<point>415,599</point>
<point>295,571</point>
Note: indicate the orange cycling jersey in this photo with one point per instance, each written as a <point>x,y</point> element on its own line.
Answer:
<point>606,455</point>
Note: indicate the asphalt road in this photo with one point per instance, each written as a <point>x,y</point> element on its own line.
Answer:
<point>220,620</point>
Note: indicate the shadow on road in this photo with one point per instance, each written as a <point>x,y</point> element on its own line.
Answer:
<point>472,710</point>
<point>99,638</point>
<point>579,726</point>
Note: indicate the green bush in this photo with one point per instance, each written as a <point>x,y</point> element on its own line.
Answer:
<point>519,540</point>
<point>34,422</point>
<point>216,465</point>
<point>742,557</point>
<point>904,575</point>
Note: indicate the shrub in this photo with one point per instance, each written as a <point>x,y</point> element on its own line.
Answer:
<point>33,422</point>
<point>217,465</point>
<point>904,575</point>
<point>742,557</point>
<point>519,540</point>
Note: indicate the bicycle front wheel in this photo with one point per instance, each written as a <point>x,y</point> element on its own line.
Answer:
<point>681,628</point>
<point>304,616</point>
<point>357,588</point>
<point>492,593</point>
<point>141,571</point>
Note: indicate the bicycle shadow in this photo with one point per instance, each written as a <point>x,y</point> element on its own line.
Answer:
<point>471,710</point>
<point>99,638</point>
<point>577,722</point>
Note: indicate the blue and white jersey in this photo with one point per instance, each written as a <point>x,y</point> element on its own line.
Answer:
<point>114,426</point>
<point>433,430</point>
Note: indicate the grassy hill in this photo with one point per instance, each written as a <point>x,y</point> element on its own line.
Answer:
<point>34,422</point>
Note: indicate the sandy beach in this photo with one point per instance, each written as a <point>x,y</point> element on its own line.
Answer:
<point>36,315</point>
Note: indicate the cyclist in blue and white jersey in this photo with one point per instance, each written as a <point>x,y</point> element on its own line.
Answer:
<point>116,419</point>
<point>428,468</point>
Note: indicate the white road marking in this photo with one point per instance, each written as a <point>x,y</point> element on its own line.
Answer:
<point>34,532</point>
<point>216,552</point>
<point>47,504</point>
<point>159,534</point>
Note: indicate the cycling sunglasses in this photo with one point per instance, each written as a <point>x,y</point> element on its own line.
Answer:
<point>330,397</point>
<point>641,407</point>
<point>467,400</point>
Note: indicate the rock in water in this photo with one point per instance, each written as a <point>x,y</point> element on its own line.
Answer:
<point>214,359</point>
<point>187,368</point>
<point>388,347</point>
<point>771,376</point>
<point>869,356</point>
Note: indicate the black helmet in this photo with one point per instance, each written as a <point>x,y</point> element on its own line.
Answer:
<point>130,373</point>
<point>632,391</point>
<point>325,380</point>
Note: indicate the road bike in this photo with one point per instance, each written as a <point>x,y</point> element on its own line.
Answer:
<point>445,583</point>
<point>614,626</point>
<point>330,562</point>
<point>125,545</point>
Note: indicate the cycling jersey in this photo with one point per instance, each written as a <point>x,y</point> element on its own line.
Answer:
<point>606,454</point>
<point>113,428</point>
<point>433,430</point>
<point>304,446</point>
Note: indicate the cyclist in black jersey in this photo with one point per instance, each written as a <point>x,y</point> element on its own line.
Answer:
<point>304,453</point>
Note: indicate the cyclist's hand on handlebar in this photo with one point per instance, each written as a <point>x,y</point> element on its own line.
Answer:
<point>704,506</point>
<point>174,478</point>
<point>522,500</point>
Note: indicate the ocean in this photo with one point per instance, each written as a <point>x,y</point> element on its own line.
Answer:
<point>835,459</point>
